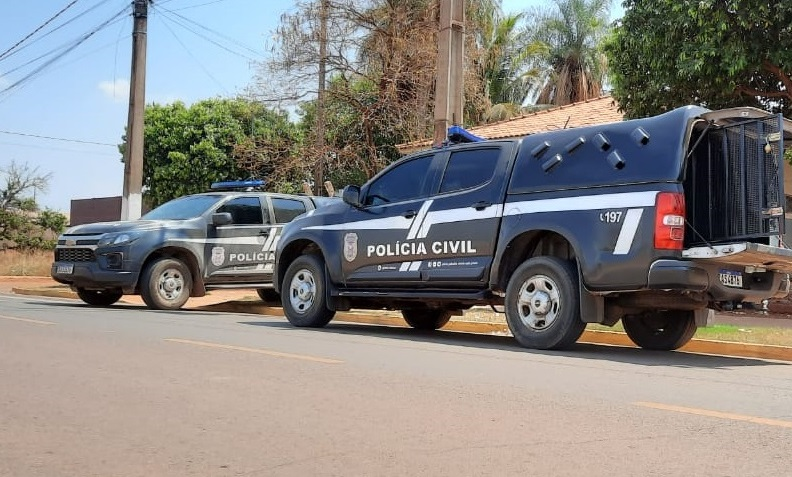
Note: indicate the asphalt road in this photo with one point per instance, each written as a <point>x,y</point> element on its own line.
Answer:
<point>132,392</point>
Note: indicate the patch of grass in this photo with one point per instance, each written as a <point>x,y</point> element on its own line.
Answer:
<point>15,263</point>
<point>737,334</point>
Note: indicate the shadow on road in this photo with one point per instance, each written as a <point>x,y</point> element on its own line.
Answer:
<point>507,343</point>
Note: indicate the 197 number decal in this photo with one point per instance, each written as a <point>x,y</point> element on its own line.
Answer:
<point>611,216</point>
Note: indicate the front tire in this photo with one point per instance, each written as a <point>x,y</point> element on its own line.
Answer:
<point>99,297</point>
<point>166,284</point>
<point>661,330</point>
<point>543,304</point>
<point>304,295</point>
<point>426,318</point>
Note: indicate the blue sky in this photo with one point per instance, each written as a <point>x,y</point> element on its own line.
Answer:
<point>84,95</point>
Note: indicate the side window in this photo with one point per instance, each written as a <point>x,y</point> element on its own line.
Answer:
<point>467,169</point>
<point>403,182</point>
<point>244,210</point>
<point>286,209</point>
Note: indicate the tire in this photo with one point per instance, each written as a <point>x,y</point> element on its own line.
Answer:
<point>543,304</point>
<point>268,296</point>
<point>304,295</point>
<point>166,284</point>
<point>99,297</point>
<point>661,330</point>
<point>426,318</point>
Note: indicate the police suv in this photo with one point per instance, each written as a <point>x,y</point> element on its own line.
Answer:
<point>220,239</point>
<point>655,222</point>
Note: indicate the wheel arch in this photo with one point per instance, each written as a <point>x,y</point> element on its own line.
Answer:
<point>290,252</point>
<point>184,255</point>
<point>533,243</point>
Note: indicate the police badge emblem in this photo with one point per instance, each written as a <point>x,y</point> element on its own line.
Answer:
<point>218,256</point>
<point>350,246</point>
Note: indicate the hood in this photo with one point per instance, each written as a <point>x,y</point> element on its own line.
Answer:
<point>122,226</point>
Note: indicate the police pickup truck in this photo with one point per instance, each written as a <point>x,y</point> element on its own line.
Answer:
<point>655,222</point>
<point>220,239</point>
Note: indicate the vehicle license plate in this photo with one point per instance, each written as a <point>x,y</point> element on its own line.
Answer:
<point>731,278</point>
<point>65,268</point>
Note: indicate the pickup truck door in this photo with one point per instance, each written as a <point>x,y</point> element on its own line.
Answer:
<point>462,223</point>
<point>239,252</point>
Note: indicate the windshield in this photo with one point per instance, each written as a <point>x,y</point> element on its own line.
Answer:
<point>183,208</point>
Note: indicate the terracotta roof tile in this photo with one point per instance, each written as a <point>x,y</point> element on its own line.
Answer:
<point>603,109</point>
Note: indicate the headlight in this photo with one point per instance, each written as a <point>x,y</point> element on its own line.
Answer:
<point>121,238</point>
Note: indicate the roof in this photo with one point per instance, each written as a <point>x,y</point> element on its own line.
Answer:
<point>603,109</point>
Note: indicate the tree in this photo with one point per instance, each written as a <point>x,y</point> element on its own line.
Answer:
<point>566,44</point>
<point>188,148</point>
<point>669,53</point>
<point>22,225</point>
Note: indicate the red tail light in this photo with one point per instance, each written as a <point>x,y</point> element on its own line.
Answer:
<point>669,221</point>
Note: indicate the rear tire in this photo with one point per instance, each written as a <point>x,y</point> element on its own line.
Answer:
<point>426,318</point>
<point>269,297</point>
<point>99,297</point>
<point>543,304</point>
<point>661,330</point>
<point>304,295</point>
<point>166,284</point>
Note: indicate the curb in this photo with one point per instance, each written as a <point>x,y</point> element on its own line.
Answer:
<point>610,338</point>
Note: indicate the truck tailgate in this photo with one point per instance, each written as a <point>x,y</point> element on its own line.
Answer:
<point>745,254</point>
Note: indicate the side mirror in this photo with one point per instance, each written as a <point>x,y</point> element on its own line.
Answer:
<point>222,218</point>
<point>352,195</point>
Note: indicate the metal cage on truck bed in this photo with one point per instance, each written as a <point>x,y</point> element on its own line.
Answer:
<point>734,181</point>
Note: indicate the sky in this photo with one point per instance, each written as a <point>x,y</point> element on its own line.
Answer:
<point>82,96</point>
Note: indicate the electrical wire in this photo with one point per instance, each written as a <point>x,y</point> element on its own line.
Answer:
<point>61,52</point>
<point>183,21</point>
<point>67,22</point>
<point>196,6</point>
<point>79,141</point>
<point>208,73</point>
<point>50,20</point>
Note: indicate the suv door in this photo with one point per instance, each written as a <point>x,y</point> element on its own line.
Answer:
<point>379,237</point>
<point>236,253</point>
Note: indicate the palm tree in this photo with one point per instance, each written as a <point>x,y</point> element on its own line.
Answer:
<point>569,59</point>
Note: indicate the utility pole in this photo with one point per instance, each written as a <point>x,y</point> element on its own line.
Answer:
<point>450,63</point>
<point>132,200</point>
<point>320,99</point>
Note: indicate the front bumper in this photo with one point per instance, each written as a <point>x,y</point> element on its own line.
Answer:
<point>90,276</point>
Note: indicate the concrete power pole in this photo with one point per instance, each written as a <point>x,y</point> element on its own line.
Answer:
<point>320,100</point>
<point>132,200</point>
<point>450,84</point>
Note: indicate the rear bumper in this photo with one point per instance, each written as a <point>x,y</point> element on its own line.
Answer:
<point>704,276</point>
<point>677,274</point>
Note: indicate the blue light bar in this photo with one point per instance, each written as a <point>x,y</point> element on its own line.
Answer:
<point>458,134</point>
<point>250,184</point>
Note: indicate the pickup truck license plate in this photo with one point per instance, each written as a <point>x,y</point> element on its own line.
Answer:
<point>69,269</point>
<point>731,278</point>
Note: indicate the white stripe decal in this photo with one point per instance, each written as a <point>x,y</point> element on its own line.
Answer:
<point>419,219</point>
<point>415,266</point>
<point>465,214</point>
<point>221,241</point>
<point>388,223</point>
<point>627,233</point>
<point>404,266</point>
<point>586,202</point>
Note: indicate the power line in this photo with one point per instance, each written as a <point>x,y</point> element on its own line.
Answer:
<point>208,73</point>
<point>3,54</point>
<point>67,22</point>
<point>196,6</point>
<point>63,51</point>
<point>79,141</point>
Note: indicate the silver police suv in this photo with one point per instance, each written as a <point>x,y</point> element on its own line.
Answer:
<point>224,238</point>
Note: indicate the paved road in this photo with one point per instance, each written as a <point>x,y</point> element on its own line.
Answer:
<point>131,392</point>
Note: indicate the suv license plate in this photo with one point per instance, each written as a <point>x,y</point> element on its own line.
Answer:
<point>731,278</point>
<point>68,269</point>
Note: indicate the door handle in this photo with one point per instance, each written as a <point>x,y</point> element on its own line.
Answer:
<point>263,232</point>
<point>481,205</point>
<point>410,214</point>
